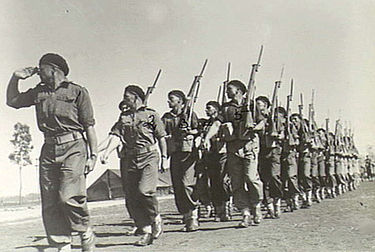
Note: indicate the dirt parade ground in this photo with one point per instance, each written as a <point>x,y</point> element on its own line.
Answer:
<point>346,223</point>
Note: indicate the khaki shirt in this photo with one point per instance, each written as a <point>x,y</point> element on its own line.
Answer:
<point>139,129</point>
<point>67,108</point>
<point>179,141</point>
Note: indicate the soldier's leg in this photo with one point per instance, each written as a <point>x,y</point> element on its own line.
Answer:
<point>202,186</point>
<point>215,168</point>
<point>240,196</point>
<point>72,191</point>
<point>184,181</point>
<point>253,183</point>
<point>56,226</point>
<point>147,188</point>
<point>315,176</point>
<point>265,173</point>
<point>306,179</point>
<point>276,191</point>
<point>322,175</point>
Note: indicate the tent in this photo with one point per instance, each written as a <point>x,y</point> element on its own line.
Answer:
<point>109,186</point>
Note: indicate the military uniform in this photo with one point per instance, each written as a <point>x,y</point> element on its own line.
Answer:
<point>270,169</point>
<point>242,160</point>
<point>289,169</point>
<point>330,167</point>
<point>184,155</point>
<point>139,132</point>
<point>63,115</point>
<point>304,167</point>
<point>215,161</point>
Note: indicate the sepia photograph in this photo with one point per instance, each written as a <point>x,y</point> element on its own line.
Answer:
<point>187,126</point>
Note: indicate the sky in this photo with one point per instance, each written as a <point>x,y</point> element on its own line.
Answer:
<point>325,45</point>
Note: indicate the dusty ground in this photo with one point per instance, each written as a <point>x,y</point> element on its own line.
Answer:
<point>346,223</point>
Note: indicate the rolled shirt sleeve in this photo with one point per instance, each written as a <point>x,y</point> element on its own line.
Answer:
<point>159,127</point>
<point>85,109</point>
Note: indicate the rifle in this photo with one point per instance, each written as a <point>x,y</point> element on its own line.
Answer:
<point>274,124</point>
<point>219,94</point>
<point>327,134</point>
<point>289,100</point>
<point>225,83</point>
<point>304,127</point>
<point>249,119</point>
<point>193,95</point>
<point>151,88</point>
<point>338,135</point>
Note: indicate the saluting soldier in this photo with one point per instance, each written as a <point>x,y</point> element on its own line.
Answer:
<point>64,113</point>
<point>141,131</point>
<point>184,155</point>
<point>242,154</point>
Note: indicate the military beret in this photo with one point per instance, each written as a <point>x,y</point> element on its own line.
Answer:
<point>296,115</point>
<point>281,110</point>
<point>179,94</point>
<point>238,84</point>
<point>214,104</point>
<point>136,90</point>
<point>56,60</point>
<point>264,99</point>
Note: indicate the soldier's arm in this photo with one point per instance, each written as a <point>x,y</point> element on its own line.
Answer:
<point>92,140</point>
<point>15,99</point>
<point>113,142</point>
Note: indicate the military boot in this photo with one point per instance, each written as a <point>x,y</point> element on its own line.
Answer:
<point>246,221</point>
<point>270,211</point>
<point>296,205</point>
<point>257,214</point>
<point>277,207</point>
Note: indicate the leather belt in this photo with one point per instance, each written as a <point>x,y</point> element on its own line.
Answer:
<point>140,150</point>
<point>63,138</point>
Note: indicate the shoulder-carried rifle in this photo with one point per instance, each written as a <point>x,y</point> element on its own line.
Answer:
<point>274,124</point>
<point>225,84</point>
<point>150,89</point>
<point>249,118</point>
<point>289,137</point>
<point>192,96</point>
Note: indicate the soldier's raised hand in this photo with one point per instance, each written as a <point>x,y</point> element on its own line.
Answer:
<point>25,73</point>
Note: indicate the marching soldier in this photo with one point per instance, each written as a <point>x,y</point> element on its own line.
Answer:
<point>322,162</point>
<point>64,113</point>
<point>339,170</point>
<point>242,154</point>
<point>184,155</point>
<point>330,166</point>
<point>270,157</point>
<point>304,162</point>
<point>140,130</point>
<point>215,158</point>
<point>289,169</point>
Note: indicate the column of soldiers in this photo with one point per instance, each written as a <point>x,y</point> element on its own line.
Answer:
<point>249,151</point>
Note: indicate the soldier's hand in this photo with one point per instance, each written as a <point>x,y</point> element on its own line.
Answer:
<point>104,158</point>
<point>206,144</point>
<point>163,164</point>
<point>90,164</point>
<point>25,73</point>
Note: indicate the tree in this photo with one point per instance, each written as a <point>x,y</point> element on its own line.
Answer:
<point>22,147</point>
